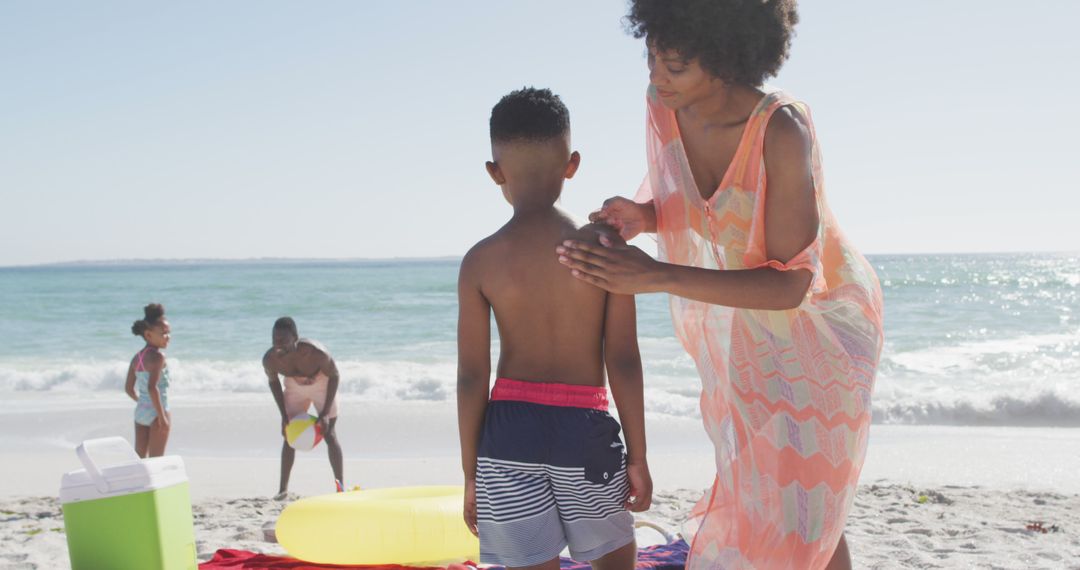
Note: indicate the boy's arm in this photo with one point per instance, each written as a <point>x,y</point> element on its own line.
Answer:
<point>474,372</point>
<point>623,362</point>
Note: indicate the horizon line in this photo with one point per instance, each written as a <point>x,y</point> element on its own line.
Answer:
<point>223,260</point>
<point>226,260</point>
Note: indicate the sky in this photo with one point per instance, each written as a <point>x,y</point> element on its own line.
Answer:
<point>252,129</point>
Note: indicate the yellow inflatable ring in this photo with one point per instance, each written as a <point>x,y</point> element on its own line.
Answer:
<point>403,525</point>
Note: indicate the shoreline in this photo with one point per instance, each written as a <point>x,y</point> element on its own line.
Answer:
<point>150,262</point>
<point>37,446</point>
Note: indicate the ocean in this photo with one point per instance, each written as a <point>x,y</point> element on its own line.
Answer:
<point>986,339</point>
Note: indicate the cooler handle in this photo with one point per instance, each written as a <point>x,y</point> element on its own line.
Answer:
<point>115,446</point>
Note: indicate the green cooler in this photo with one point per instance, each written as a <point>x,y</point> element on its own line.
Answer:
<point>126,513</point>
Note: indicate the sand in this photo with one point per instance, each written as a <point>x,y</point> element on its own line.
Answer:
<point>931,496</point>
<point>891,526</point>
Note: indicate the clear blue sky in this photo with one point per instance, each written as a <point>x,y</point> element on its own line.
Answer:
<point>240,129</point>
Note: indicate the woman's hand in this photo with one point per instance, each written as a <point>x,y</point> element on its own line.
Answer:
<point>163,421</point>
<point>626,216</point>
<point>620,269</point>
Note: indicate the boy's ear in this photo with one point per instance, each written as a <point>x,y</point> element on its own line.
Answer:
<point>495,172</point>
<point>572,165</point>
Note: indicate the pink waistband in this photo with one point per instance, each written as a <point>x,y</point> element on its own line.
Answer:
<point>551,394</point>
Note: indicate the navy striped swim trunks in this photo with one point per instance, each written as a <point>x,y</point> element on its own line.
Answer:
<point>551,473</point>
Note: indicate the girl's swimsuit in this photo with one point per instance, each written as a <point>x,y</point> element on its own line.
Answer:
<point>145,414</point>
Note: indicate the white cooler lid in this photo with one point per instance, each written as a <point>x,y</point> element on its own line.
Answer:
<point>127,476</point>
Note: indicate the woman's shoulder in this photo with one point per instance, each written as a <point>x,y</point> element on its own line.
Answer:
<point>788,130</point>
<point>778,103</point>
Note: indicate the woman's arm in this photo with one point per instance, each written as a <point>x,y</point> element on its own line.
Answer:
<point>791,225</point>
<point>628,270</point>
<point>764,288</point>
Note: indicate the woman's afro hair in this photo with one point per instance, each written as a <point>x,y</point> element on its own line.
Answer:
<point>741,42</point>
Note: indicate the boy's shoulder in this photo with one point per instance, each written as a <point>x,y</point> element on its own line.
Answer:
<point>495,248</point>
<point>590,233</point>
<point>480,254</point>
<point>484,248</point>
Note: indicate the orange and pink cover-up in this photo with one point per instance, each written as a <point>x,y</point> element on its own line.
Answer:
<point>785,395</point>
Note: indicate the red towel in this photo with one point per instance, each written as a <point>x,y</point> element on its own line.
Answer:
<point>661,557</point>
<point>228,559</point>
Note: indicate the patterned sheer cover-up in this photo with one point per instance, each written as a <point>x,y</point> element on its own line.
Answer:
<point>785,395</point>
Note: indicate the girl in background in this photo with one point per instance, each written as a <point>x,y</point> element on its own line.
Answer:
<point>149,373</point>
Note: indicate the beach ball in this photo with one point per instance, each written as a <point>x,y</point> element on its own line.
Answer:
<point>303,432</point>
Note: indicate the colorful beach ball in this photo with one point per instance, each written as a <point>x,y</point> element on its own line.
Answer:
<point>303,432</point>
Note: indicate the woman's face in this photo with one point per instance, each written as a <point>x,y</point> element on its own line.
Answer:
<point>679,82</point>
<point>158,335</point>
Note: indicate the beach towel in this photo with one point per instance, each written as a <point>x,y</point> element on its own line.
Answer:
<point>670,556</point>
<point>231,559</point>
<point>785,395</point>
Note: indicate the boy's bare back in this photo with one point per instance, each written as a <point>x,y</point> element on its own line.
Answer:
<point>551,325</point>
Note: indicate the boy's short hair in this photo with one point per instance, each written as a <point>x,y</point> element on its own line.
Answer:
<point>529,114</point>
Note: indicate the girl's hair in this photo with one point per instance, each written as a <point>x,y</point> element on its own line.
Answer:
<point>153,315</point>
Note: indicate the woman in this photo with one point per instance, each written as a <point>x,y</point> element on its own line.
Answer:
<point>780,313</point>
